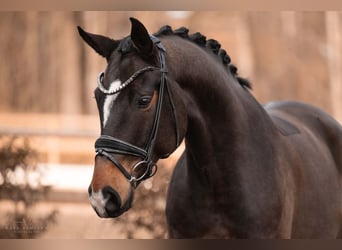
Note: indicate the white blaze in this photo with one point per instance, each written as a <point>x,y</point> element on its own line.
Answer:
<point>108,103</point>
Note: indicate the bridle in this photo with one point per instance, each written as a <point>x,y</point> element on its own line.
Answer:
<point>107,145</point>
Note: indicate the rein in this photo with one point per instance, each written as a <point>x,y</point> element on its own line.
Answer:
<point>107,145</point>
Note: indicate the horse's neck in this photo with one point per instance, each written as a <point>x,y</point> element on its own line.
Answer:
<point>223,131</point>
<point>226,126</point>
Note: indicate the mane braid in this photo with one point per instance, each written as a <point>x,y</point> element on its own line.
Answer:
<point>211,44</point>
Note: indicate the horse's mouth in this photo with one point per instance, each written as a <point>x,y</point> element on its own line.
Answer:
<point>107,210</point>
<point>109,214</point>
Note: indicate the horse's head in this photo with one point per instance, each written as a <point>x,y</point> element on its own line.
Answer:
<point>141,114</point>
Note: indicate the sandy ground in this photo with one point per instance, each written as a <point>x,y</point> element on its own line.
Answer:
<point>80,221</point>
<point>76,221</point>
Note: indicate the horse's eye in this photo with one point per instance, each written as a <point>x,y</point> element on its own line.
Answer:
<point>144,101</point>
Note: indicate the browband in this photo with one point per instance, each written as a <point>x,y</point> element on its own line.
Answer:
<point>123,85</point>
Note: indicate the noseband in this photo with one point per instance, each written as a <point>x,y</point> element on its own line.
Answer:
<point>107,145</point>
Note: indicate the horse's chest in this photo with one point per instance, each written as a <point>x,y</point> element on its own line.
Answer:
<point>191,211</point>
<point>197,224</point>
<point>188,219</point>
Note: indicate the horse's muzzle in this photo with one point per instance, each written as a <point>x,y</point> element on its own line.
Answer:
<point>107,202</point>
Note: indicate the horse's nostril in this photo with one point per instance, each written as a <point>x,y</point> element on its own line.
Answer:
<point>89,190</point>
<point>112,206</point>
<point>113,203</point>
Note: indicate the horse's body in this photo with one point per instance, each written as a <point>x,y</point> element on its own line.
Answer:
<point>290,190</point>
<point>248,171</point>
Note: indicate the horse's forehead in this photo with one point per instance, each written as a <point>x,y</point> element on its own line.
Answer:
<point>122,66</point>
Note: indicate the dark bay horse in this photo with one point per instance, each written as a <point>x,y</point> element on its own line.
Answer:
<point>248,171</point>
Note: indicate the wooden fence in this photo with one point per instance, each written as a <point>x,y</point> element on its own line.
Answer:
<point>57,138</point>
<point>45,67</point>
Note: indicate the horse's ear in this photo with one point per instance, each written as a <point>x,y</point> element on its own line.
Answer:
<point>140,38</point>
<point>101,44</point>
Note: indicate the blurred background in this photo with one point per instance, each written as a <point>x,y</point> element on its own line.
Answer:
<point>48,116</point>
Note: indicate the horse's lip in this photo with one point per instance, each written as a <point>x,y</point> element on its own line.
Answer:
<point>122,210</point>
<point>101,215</point>
<point>107,214</point>
<point>115,214</point>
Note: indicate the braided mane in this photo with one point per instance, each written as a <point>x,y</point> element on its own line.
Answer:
<point>210,44</point>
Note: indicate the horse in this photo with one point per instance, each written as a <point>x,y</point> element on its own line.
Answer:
<point>248,170</point>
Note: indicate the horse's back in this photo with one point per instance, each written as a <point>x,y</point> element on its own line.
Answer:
<point>295,118</point>
<point>311,142</point>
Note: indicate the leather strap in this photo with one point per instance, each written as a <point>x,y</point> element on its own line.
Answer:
<point>107,146</point>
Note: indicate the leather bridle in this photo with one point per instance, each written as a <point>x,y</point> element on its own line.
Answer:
<point>107,145</point>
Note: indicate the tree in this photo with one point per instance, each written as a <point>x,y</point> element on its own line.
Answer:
<point>17,166</point>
